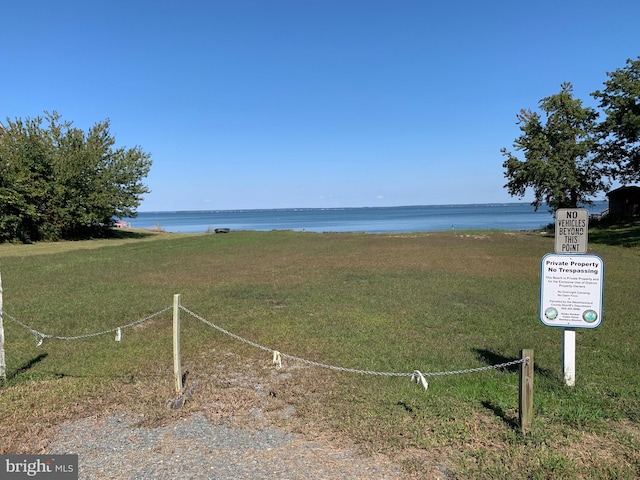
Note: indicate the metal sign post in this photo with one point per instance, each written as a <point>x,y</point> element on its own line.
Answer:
<point>569,356</point>
<point>571,285</point>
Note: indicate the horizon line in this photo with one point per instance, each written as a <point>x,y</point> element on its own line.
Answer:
<point>343,208</point>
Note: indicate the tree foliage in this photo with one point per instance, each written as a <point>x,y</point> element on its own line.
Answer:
<point>619,133</point>
<point>557,145</point>
<point>568,156</point>
<point>58,182</point>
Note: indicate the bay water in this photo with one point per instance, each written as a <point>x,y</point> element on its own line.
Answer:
<point>419,218</point>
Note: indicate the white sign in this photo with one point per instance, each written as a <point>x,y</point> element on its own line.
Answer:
<point>572,229</point>
<point>571,290</point>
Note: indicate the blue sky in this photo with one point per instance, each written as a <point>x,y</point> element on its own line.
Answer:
<point>308,103</point>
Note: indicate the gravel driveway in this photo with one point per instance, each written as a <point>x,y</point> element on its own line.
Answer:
<point>195,448</point>
<point>225,431</point>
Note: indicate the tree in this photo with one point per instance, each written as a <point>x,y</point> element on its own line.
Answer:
<point>619,133</point>
<point>24,174</point>
<point>60,182</point>
<point>558,164</point>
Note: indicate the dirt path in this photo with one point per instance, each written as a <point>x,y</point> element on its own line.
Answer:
<point>236,425</point>
<point>117,447</point>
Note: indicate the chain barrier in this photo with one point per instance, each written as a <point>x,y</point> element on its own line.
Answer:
<point>416,375</point>
<point>40,337</point>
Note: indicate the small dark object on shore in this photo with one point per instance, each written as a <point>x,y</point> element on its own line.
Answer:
<point>222,230</point>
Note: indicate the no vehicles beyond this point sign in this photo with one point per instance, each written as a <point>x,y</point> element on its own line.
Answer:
<point>572,228</point>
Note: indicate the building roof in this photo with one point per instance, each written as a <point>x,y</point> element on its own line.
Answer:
<point>623,190</point>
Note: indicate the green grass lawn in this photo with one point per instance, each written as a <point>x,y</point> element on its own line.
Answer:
<point>387,303</point>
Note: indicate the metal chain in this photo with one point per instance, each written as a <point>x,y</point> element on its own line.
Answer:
<point>478,369</point>
<point>226,332</point>
<point>41,336</point>
<point>15,320</point>
<point>344,369</point>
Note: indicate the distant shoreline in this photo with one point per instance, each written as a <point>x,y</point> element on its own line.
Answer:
<point>290,209</point>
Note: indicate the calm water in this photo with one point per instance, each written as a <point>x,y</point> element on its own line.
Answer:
<point>504,216</point>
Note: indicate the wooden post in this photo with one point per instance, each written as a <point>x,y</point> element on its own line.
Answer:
<point>177,369</point>
<point>3,365</point>
<point>526,391</point>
